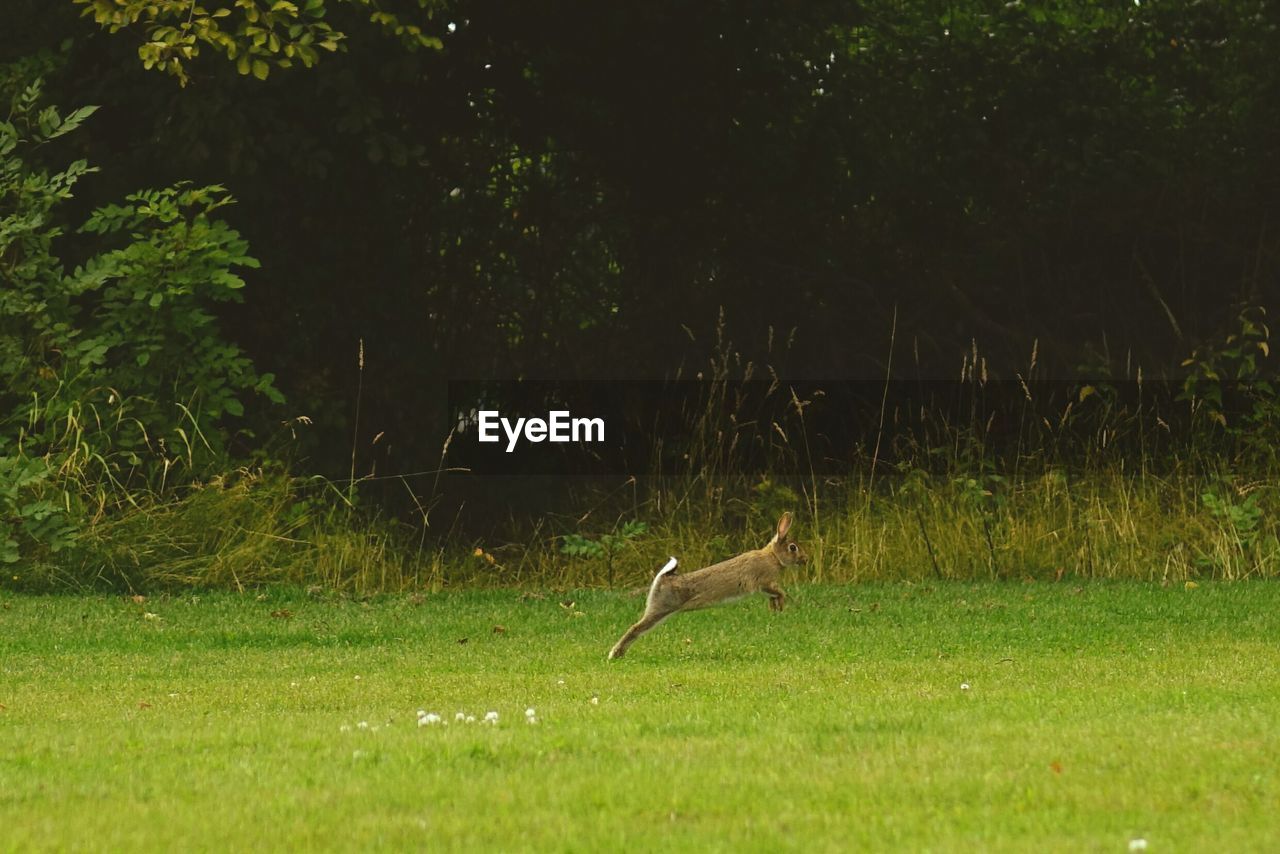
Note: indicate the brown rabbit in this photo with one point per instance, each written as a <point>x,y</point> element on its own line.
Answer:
<point>751,572</point>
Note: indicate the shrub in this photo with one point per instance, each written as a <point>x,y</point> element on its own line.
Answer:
<point>118,378</point>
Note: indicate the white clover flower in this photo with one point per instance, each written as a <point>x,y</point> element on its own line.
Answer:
<point>429,719</point>
<point>1138,844</point>
<point>460,716</point>
<point>595,699</point>
<point>357,677</point>
<point>529,712</point>
<point>362,725</point>
<point>422,713</point>
<point>471,719</point>
<point>964,686</point>
<point>491,717</point>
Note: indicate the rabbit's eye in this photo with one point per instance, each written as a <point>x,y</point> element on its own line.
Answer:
<point>793,548</point>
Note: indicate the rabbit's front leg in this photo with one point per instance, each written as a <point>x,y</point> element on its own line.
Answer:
<point>777,599</point>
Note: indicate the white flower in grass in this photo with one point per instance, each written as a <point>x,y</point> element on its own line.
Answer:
<point>964,686</point>
<point>471,719</point>
<point>595,699</point>
<point>362,725</point>
<point>491,717</point>
<point>530,713</point>
<point>1138,844</point>
<point>429,719</point>
<point>460,716</point>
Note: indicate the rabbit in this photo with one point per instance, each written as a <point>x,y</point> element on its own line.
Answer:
<point>751,572</point>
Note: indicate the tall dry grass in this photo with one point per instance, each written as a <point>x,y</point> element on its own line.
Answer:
<point>1095,491</point>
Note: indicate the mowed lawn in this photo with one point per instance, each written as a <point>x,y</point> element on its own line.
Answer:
<point>892,717</point>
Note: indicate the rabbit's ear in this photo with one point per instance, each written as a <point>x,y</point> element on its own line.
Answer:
<point>784,525</point>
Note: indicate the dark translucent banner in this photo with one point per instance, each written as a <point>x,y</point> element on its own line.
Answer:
<point>725,427</point>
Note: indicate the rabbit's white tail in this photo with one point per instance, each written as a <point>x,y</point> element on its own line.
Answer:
<point>670,567</point>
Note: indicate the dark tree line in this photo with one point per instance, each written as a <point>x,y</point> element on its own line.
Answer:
<point>579,189</point>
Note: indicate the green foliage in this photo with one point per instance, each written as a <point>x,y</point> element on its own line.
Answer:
<point>1246,536</point>
<point>1234,372</point>
<point>154,327</point>
<point>604,546</point>
<point>115,372</point>
<point>1244,517</point>
<point>30,517</point>
<point>255,34</point>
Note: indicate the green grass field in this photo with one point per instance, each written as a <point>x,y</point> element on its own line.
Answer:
<point>1093,716</point>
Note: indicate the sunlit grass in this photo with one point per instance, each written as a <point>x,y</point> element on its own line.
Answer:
<point>1095,715</point>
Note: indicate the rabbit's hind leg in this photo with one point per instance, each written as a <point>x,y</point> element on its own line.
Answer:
<point>647,622</point>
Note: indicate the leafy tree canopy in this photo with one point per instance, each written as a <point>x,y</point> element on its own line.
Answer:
<point>255,35</point>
